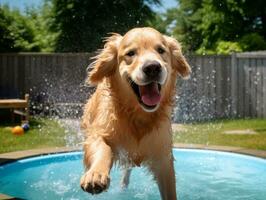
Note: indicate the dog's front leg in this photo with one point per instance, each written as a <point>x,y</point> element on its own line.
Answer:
<point>163,171</point>
<point>125,177</point>
<point>98,160</point>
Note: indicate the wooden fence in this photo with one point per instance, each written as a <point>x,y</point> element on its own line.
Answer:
<point>53,81</point>
<point>224,87</point>
<point>220,86</point>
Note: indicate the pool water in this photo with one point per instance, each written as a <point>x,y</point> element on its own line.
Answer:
<point>200,175</point>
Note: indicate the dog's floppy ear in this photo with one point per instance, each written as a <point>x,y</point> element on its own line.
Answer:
<point>179,62</point>
<point>106,61</point>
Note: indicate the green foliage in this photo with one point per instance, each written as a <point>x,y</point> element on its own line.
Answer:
<point>253,41</point>
<point>16,34</point>
<point>227,47</point>
<point>26,32</point>
<point>83,24</point>
<point>70,25</point>
<point>221,47</point>
<point>6,39</point>
<point>42,20</point>
<point>184,21</point>
<point>158,22</point>
<point>204,26</point>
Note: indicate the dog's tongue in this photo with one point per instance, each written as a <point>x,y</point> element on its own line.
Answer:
<point>150,94</point>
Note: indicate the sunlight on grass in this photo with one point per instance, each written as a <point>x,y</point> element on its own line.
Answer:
<point>213,133</point>
<point>43,133</point>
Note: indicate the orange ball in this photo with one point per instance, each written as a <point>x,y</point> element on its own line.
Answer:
<point>18,130</point>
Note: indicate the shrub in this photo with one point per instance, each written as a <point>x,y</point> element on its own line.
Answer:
<point>252,42</point>
<point>227,47</point>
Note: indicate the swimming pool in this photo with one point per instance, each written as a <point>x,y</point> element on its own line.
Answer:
<point>200,174</point>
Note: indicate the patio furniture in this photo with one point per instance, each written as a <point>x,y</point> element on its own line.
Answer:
<point>17,106</point>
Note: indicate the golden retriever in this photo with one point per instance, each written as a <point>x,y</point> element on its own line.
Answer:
<point>127,119</point>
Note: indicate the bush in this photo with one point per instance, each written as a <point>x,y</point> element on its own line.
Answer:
<point>227,47</point>
<point>221,47</point>
<point>204,51</point>
<point>252,42</point>
<point>16,34</point>
<point>28,31</point>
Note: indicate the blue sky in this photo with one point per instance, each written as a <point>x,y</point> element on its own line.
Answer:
<point>165,5</point>
<point>22,4</point>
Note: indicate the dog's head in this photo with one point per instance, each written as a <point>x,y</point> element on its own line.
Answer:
<point>144,61</point>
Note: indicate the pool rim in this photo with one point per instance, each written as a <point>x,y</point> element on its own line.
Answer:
<point>77,154</point>
<point>10,157</point>
<point>7,158</point>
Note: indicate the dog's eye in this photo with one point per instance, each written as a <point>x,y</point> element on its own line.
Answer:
<point>131,53</point>
<point>160,50</point>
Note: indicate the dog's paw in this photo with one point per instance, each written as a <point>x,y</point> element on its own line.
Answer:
<point>94,182</point>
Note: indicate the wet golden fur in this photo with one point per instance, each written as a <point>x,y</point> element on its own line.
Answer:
<point>116,127</point>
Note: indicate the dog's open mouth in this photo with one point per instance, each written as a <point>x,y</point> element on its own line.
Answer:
<point>148,95</point>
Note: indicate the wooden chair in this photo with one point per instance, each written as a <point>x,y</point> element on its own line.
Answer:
<point>17,106</point>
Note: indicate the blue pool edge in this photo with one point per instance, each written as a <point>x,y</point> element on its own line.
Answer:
<point>18,155</point>
<point>8,158</point>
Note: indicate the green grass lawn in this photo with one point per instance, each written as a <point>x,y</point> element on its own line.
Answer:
<point>43,133</point>
<point>213,133</point>
<point>46,132</point>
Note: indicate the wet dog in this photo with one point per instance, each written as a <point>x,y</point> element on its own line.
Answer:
<point>127,119</point>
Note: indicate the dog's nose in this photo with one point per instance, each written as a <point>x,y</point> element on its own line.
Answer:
<point>152,69</point>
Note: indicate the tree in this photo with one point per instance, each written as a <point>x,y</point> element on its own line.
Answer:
<point>15,33</point>
<point>6,40</point>
<point>29,31</point>
<point>184,21</point>
<point>41,20</point>
<point>82,24</point>
<point>204,25</point>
